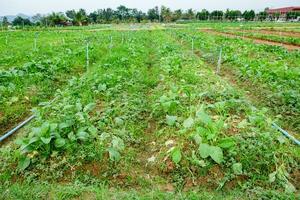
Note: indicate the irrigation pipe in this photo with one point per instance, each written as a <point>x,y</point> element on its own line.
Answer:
<point>285,133</point>
<point>9,133</point>
<point>26,121</point>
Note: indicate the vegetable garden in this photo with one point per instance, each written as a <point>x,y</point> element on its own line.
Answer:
<point>149,112</point>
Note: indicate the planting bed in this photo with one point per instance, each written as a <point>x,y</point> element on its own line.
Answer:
<point>149,117</point>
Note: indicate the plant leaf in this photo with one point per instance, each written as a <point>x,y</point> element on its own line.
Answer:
<point>188,123</point>
<point>89,107</point>
<point>176,155</point>
<point>227,143</point>
<point>171,120</point>
<point>46,140</point>
<point>114,155</point>
<point>203,117</point>
<point>216,154</point>
<point>24,162</point>
<point>60,142</point>
<point>82,135</point>
<point>204,150</point>
<point>237,168</point>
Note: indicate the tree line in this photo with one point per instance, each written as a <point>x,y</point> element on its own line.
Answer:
<point>123,14</point>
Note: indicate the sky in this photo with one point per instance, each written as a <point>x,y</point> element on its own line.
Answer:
<point>31,7</point>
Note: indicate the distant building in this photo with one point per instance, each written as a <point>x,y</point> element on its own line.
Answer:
<point>281,13</point>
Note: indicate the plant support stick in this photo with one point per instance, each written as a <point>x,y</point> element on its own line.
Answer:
<point>219,62</point>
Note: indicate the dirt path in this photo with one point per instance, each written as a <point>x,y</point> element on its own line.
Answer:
<point>275,32</point>
<point>289,47</point>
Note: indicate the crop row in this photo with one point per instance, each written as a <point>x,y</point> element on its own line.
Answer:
<point>153,109</point>
<point>273,71</point>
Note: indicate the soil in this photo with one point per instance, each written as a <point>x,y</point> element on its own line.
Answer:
<point>289,47</point>
<point>274,32</point>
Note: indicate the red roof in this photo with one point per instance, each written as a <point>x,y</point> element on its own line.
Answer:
<point>284,10</point>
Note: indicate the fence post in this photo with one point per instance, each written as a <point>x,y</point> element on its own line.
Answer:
<point>87,56</point>
<point>192,44</point>
<point>35,40</point>
<point>219,62</point>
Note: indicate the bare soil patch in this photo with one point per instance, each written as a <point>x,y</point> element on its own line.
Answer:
<point>289,47</point>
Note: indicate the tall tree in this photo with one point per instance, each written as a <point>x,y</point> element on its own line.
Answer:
<point>122,12</point>
<point>153,14</point>
<point>249,15</point>
<point>177,14</point>
<point>190,14</point>
<point>5,22</point>
<point>262,15</point>
<point>19,21</point>
<point>216,15</point>
<point>203,15</point>
<point>166,14</point>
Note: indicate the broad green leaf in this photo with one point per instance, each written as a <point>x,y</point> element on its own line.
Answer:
<point>171,120</point>
<point>24,162</point>
<point>53,126</point>
<point>203,117</point>
<point>114,155</point>
<point>93,130</point>
<point>60,142</point>
<point>204,150</point>
<point>118,144</point>
<point>80,117</point>
<point>176,155</point>
<point>72,136</point>
<point>102,87</point>
<point>82,135</point>
<point>237,168</point>
<point>63,125</point>
<point>216,154</point>
<point>227,143</point>
<point>78,106</point>
<point>188,123</point>
<point>197,138</point>
<point>89,107</point>
<point>45,128</point>
<point>119,121</point>
<point>46,140</point>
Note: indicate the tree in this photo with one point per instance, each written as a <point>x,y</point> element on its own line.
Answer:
<point>5,22</point>
<point>71,14</point>
<point>122,12</point>
<point>138,15</point>
<point>262,15</point>
<point>203,15</point>
<point>166,14</point>
<point>153,14</point>
<point>80,17</point>
<point>190,14</point>
<point>177,14</point>
<point>249,15</point>
<point>37,19</point>
<point>55,19</point>
<point>93,17</point>
<point>19,21</point>
<point>292,15</point>
<point>216,15</point>
<point>232,14</point>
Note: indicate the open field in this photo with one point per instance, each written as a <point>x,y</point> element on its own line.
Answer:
<point>150,111</point>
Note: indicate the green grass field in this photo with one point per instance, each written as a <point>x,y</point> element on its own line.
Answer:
<point>148,117</point>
